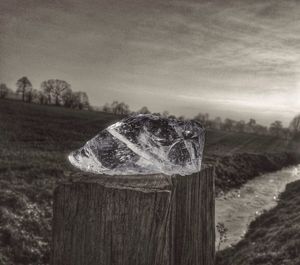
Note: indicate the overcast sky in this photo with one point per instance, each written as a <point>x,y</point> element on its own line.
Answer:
<point>237,59</point>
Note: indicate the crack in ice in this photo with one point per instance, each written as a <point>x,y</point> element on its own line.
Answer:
<point>143,144</point>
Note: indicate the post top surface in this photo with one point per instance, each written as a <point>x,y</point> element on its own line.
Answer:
<point>149,182</point>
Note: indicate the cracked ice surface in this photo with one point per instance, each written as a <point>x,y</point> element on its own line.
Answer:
<point>143,144</point>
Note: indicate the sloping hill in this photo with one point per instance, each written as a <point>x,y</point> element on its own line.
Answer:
<point>34,143</point>
<point>228,143</point>
<point>49,127</point>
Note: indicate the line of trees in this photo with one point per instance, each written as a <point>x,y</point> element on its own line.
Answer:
<point>52,92</point>
<point>4,90</point>
<point>117,107</point>
<point>276,128</point>
<point>58,92</point>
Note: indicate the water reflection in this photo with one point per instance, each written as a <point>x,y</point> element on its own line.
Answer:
<point>239,207</point>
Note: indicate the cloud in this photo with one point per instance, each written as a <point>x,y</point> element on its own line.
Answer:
<point>222,50</point>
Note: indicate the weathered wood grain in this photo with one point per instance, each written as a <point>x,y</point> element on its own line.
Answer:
<point>134,220</point>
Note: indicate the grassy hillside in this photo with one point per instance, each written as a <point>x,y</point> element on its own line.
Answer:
<point>228,143</point>
<point>34,143</point>
<point>273,238</point>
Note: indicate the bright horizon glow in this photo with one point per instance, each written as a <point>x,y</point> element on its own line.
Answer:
<point>236,60</point>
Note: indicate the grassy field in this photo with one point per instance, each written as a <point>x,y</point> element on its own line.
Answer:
<point>228,143</point>
<point>34,143</point>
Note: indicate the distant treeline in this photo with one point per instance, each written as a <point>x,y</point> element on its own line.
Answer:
<point>51,92</point>
<point>59,92</point>
<point>275,129</point>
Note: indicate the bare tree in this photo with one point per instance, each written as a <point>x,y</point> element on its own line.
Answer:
<point>202,118</point>
<point>144,110</point>
<point>75,100</point>
<point>68,98</point>
<point>252,122</point>
<point>166,114</point>
<point>24,87</point>
<point>32,95</point>
<point>53,89</point>
<point>259,129</point>
<point>57,90</point>
<point>123,109</point>
<point>4,90</point>
<point>42,98</point>
<point>120,108</point>
<point>250,126</point>
<point>276,128</point>
<point>81,100</point>
<point>114,106</point>
<point>46,89</point>
<point>106,108</point>
<point>216,123</point>
<point>240,126</point>
<point>228,124</point>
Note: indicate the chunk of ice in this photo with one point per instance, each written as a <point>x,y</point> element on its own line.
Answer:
<point>143,144</point>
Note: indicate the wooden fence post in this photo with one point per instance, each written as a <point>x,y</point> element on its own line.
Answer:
<point>135,220</point>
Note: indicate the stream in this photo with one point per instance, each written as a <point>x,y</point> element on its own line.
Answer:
<point>237,208</point>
